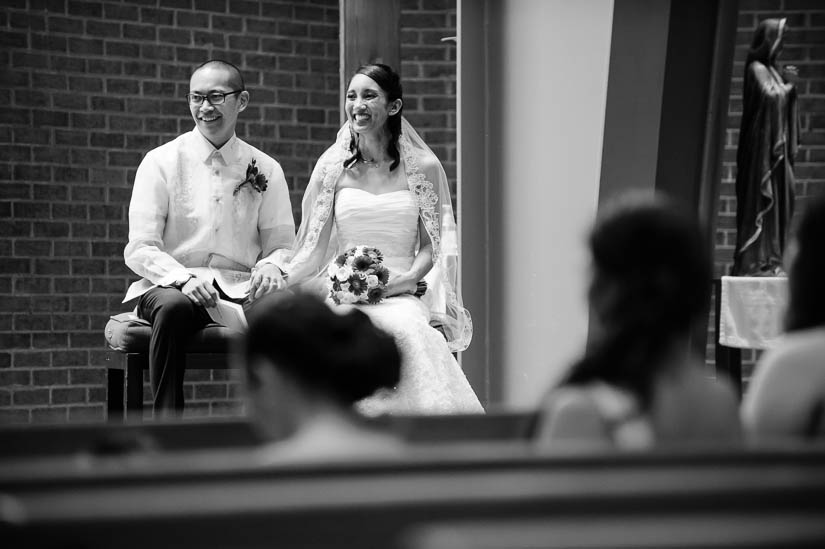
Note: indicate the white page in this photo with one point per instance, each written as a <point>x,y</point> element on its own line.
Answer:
<point>228,314</point>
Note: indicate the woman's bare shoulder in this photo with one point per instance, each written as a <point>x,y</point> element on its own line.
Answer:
<point>794,366</point>
<point>568,397</point>
<point>803,347</point>
<point>570,413</point>
<point>717,402</point>
<point>715,392</point>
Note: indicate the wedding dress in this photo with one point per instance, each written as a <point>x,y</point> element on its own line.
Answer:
<point>431,379</point>
<point>334,220</point>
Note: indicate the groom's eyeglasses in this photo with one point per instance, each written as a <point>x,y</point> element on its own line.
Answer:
<point>214,98</point>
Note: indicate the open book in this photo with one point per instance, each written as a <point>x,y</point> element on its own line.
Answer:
<point>228,314</point>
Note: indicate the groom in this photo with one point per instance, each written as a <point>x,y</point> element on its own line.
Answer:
<point>209,217</point>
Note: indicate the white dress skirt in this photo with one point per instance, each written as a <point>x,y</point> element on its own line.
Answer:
<point>432,381</point>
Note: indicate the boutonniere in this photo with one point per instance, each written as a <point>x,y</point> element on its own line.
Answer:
<point>254,179</point>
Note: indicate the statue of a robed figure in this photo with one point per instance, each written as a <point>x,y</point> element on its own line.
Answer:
<point>768,143</point>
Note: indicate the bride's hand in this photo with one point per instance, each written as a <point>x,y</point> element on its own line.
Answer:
<point>401,284</point>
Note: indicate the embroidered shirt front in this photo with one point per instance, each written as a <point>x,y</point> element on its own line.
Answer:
<point>184,218</point>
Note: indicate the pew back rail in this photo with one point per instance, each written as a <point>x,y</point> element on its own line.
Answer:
<point>212,500</point>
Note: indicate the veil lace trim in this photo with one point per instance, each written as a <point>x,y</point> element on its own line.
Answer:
<point>331,169</point>
<point>425,195</point>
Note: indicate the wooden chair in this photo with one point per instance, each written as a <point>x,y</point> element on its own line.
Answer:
<point>128,338</point>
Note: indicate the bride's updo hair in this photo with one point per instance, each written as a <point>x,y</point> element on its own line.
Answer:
<point>389,81</point>
<point>337,354</point>
<point>651,284</point>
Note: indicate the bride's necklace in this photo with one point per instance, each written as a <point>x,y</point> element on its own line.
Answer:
<point>372,163</point>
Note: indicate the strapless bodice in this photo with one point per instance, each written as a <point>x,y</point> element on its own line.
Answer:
<point>386,221</point>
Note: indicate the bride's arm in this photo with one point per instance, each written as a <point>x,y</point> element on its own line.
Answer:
<point>302,271</point>
<point>407,283</point>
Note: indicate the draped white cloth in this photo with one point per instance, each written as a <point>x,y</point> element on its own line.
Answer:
<point>752,311</point>
<point>317,241</point>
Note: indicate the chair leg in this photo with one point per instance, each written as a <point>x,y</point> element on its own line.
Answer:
<point>135,364</point>
<point>115,395</point>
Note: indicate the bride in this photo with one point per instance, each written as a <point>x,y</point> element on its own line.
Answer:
<point>379,185</point>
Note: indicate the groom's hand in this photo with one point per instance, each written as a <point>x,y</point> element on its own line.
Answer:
<point>200,292</point>
<point>265,279</point>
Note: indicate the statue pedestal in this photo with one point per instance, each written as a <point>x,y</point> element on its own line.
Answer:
<point>750,312</point>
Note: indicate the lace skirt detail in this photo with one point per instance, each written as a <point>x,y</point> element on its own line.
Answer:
<point>432,381</point>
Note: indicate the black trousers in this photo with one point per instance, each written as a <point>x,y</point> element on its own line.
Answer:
<point>174,319</point>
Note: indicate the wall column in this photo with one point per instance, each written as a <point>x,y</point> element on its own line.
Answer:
<point>532,90</point>
<point>370,33</point>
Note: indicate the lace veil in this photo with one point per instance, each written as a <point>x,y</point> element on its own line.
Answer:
<point>316,243</point>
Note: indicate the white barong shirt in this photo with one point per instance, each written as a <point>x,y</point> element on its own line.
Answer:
<point>185,219</point>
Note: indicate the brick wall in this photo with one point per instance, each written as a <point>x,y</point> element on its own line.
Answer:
<point>805,48</point>
<point>428,72</point>
<point>87,88</point>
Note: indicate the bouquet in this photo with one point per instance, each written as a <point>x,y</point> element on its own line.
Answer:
<point>358,276</point>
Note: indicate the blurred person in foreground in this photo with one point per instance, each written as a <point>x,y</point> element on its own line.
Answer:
<point>786,397</point>
<point>306,366</point>
<point>638,385</point>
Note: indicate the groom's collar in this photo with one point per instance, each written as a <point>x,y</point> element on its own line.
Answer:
<point>204,149</point>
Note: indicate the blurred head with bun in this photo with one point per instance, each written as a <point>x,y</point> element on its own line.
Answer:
<point>307,365</point>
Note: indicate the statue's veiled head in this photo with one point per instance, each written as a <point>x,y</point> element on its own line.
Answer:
<point>768,40</point>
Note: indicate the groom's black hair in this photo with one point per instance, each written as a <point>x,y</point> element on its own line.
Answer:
<point>389,81</point>
<point>235,79</point>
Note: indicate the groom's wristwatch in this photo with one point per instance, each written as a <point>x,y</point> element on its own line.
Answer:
<point>179,284</point>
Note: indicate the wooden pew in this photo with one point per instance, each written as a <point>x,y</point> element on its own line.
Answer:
<point>101,438</point>
<point>460,428</point>
<point>209,500</point>
<point>26,441</point>
<point>724,529</point>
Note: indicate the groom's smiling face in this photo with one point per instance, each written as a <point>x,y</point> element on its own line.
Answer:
<point>216,122</point>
